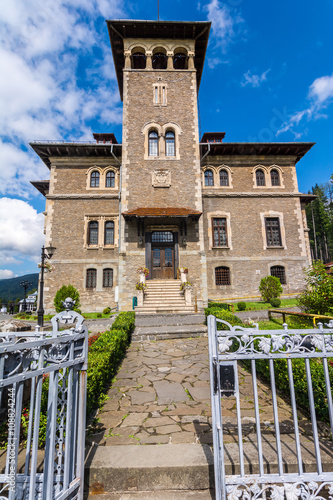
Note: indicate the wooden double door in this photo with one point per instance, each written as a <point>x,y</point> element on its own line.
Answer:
<point>162,255</point>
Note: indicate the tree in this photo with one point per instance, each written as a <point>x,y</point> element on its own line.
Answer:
<point>320,222</point>
<point>317,298</point>
<point>270,287</point>
<point>62,294</point>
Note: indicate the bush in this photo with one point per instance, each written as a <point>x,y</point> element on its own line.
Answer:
<point>98,315</point>
<point>241,306</point>
<point>220,305</point>
<point>275,302</point>
<point>105,356</point>
<point>270,287</point>
<point>225,315</point>
<point>317,298</point>
<point>62,294</point>
<point>107,310</point>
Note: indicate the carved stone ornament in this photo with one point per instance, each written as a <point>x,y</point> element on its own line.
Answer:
<point>161,178</point>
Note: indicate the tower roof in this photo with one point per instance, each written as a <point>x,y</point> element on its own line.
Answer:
<point>178,30</point>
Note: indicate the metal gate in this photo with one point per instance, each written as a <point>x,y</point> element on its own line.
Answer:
<point>28,361</point>
<point>228,350</point>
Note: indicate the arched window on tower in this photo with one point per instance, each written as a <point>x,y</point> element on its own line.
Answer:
<point>224,178</point>
<point>180,61</point>
<point>153,143</point>
<point>138,60</point>
<point>94,179</point>
<point>170,149</point>
<point>110,179</point>
<point>209,178</point>
<point>260,177</point>
<point>159,61</point>
<point>275,178</point>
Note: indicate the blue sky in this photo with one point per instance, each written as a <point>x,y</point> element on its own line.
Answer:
<point>268,76</point>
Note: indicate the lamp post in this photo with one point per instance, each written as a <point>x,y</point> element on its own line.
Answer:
<point>46,254</point>
<point>25,284</point>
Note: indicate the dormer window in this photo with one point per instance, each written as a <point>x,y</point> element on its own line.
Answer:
<point>153,143</point>
<point>170,143</point>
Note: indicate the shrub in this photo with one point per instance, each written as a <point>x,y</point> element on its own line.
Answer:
<point>270,287</point>
<point>241,306</point>
<point>225,315</point>
<point>216,305</point>
<point>62,294</point>
<point>98,315</point>
<point>275,302</point>
<point>317,298</point>
<point>107,310</point>
<point>105,356</point>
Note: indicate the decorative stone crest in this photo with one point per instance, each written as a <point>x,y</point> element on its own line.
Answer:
<point>161,178</point>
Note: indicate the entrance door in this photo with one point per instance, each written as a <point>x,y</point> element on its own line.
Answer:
<point>163,257</point>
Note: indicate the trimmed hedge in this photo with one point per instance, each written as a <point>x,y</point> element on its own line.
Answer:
<point>218,305</point>
<point>225,315</point>
<point>105,356</point>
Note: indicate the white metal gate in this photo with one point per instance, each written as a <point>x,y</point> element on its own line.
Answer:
<point>26,360</point>
<point>232,345</point>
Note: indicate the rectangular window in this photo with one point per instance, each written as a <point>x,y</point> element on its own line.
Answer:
<point>109,233</point>
<point>273,233</point>
<point>107,278</point>
<point>222,276</point>
<point>220,232</point>
<point>93,233</point>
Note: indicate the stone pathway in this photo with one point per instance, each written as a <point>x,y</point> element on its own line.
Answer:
<point>161,395</point>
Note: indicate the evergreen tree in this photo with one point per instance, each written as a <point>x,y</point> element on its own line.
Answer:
<point>320,222</point>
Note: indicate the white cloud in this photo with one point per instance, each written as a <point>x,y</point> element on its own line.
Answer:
<point>254,80</point>
<point>225,24</point>
<point>320,95</point>
<point>21,230</point>
<point>6,273</point>
<point>45,93</point>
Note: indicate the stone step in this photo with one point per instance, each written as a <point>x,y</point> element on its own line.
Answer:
<point>156,495</point>
<point>164,310</point>
<point>144,333</point>
<point>153,469</point>
<point>159,302</point>
<point>169,319</point>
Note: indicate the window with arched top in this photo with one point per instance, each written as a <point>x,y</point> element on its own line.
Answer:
<point>279,272</point>
<point>109,233</point>
<point>94,179</point>
<point>222,275</point>
<point>138,60</point>
<point>209,178</point>
<point>91,278</point>
<point>153,143</point>
<point>260,177</point>
<point>275,177</point>
<point>107,278</point>
<point>170,149</point>
<point>180,61</point>
<point>159,61</point>
<point>110,179</point>
<point>224,178</point>
<point>93,233</point>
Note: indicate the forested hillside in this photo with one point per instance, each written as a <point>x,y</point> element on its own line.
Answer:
<point>10,289</point>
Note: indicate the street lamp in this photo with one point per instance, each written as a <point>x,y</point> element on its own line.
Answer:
<point>46,254</point>
<point>25,284</point>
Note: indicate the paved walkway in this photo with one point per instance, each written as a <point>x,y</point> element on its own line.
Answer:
<point>161,395</point>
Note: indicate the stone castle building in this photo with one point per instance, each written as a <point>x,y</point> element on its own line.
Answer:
<point>166,198</point>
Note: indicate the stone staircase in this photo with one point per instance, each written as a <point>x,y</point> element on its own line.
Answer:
<point>164,296</point>
<point>169,326</point>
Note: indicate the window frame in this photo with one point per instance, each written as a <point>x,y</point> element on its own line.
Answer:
<point>90,229</point>
<point>153,141</point>
<point>95,179</point>
<point>209,176</point>
<point>107,278</point>
<point>219,230</point>
<point>171,141</point>
<point>105,232</point>
<point>224,171</point>
<point>260,171</point>
<point>270,236</point>
<point>91,278</point>
<point>275,171</point>
<point>110,174</point>
<point>226,277</point>
<point>279,270</point>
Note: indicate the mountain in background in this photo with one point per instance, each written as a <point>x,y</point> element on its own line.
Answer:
<point>10,289</point>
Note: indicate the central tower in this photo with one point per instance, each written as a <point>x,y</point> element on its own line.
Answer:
<point>159,67</point>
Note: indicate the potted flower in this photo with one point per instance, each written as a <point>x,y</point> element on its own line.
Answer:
<point>144,272</point>
<point>47,267</point>
<point>141,288</point>
<point>183,273</point>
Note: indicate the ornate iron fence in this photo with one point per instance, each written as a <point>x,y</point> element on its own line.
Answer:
<point>27,362</point>
<point>258,480</point>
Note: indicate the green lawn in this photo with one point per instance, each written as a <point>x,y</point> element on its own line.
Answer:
<point>256,306</point>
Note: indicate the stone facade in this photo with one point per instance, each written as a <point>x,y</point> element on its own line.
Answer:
<point>154,203</point>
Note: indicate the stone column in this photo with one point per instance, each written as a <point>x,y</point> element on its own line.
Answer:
<point>170,59</point>
<point>127,54</point>
<point>149,55</point>
<point>191,60</point>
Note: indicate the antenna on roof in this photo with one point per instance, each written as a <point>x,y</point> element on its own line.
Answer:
<point>158,10</point>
